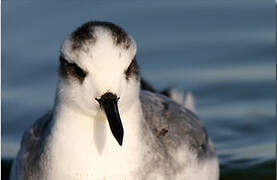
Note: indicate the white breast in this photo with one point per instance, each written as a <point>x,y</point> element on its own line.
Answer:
<point>82,148</point>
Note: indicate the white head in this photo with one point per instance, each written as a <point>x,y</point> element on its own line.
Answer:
<point>97,68</point>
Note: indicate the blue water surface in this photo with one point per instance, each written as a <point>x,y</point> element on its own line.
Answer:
<point>223,51</point>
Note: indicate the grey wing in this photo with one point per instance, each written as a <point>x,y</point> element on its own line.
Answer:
<point>31,151</point>
<point>174,125</point>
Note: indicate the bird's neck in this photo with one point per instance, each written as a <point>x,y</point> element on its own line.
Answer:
<point>68,120</point>
<point>89,143</point>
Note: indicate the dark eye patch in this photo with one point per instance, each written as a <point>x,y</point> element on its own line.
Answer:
<point>71,69</point>
<point>132,70</point>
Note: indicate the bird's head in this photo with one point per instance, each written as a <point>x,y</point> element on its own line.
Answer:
<point>99,72</point>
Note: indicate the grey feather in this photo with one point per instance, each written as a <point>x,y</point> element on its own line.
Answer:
<point>181,125</point>
<point>31,158</point>
<point>171,126</point>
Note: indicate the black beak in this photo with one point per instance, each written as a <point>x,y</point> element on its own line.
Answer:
<point>108,102</point>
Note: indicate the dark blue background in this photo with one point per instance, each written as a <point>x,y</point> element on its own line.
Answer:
<point>223,51</point>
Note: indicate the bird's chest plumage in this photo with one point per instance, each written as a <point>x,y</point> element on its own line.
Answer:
<point>93,154</point>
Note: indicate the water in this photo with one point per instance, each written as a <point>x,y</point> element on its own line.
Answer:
<point>223,51</point>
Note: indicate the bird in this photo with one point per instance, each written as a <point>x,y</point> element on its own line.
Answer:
<point>104,126</point>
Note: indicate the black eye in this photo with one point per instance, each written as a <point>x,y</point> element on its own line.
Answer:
<point>132,70</point>
<point>71,69</point>
<point>79,72</point>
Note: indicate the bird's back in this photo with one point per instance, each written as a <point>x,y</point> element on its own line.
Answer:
<point>178,138</point>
